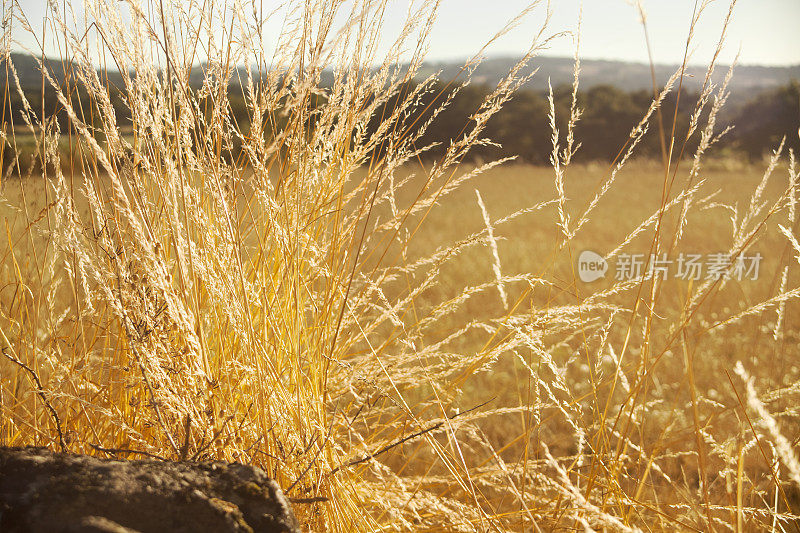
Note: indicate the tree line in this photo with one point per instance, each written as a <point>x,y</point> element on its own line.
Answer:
<point>522,127</point>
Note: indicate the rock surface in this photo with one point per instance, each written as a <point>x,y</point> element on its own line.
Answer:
<point>42,491</point>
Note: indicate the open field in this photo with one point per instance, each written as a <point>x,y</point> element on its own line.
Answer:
<point>406,334</point>
<point>576,403</point>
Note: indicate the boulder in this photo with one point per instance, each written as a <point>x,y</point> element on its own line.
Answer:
<point>47,492</point>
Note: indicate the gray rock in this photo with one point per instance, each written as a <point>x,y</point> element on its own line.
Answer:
<point>42,491</point>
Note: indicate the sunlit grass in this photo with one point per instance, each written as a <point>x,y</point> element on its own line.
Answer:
<point>399,352</point>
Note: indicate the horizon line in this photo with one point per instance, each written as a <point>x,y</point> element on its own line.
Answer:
<point>514,55</point>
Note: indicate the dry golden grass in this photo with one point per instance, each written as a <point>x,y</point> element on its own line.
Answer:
<point>397,350</point>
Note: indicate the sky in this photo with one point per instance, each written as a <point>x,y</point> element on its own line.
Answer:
<point>767,31</point>
<point>763,32</point>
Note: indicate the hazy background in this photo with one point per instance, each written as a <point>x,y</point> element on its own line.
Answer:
<point>765,30</point>
<point>616,82</point>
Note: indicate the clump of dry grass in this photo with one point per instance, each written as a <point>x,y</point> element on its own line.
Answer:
<point>285,309</point>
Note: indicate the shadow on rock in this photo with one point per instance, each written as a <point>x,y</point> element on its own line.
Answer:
<point>42,491</point>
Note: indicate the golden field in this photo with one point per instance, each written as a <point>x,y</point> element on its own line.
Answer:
<point>399,335</point>
<point>686,383</point>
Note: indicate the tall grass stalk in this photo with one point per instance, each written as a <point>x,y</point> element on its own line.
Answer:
<point>199,288</point>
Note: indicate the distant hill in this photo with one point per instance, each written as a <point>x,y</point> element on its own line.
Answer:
<point>30,77</point>
<point>613,95</point>
<point>626,76</point>
<point>27,68</point>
